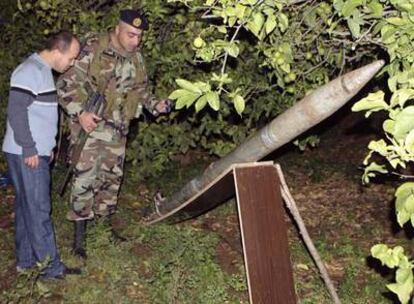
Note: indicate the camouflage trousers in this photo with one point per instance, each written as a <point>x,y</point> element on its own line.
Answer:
<point>97,179</point>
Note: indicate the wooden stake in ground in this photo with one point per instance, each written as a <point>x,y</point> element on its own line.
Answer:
<point>291,205</point>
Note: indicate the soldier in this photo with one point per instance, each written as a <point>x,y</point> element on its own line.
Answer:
<point>112,64</point>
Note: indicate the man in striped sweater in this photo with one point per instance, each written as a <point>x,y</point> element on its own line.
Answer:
<point>32,123</point>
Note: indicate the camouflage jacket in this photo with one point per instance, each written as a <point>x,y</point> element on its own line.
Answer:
<point>121,79</point>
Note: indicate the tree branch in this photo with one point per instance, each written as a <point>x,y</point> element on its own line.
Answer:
<point>291,205</point>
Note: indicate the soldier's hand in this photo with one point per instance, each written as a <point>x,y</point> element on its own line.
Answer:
<point>163,106</point>
<point>89,121</point>
<point>32,161</point>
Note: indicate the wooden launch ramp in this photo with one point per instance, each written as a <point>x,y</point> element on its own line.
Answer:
<point>262,226</point>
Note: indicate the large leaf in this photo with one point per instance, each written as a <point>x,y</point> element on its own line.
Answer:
<point>376,8</point>
<point>379,146</point>
<point>354,26</point>
<point>186,101</point>
<point>283,22</point>
<point>350,7</point>
<point>233,50</point>
<point>256,23</point>
<point>178,93</point>
<point>401,96</point>
<point>403,291</point>
<point>374,102</point>
<point>187,85</point>
<point>239,104</point>
<point>213,100</point>
<point>201,103</point>
<point>404,122</point>
<point>270,24</point>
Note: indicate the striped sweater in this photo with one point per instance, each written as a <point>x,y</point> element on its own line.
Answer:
<point>32,112</point>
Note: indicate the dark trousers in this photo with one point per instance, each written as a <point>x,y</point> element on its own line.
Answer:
<point>34,234</point>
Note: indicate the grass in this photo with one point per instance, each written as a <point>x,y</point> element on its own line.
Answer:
<point>181,264</point>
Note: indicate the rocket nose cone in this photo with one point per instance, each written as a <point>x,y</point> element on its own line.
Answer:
<point>353,81</point>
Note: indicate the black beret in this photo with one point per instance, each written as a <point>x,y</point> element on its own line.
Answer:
<point>136,18</point>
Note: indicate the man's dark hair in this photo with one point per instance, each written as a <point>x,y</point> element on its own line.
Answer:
<point>60,41</point>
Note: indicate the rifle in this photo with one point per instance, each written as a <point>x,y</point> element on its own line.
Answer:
<point>96,105</point>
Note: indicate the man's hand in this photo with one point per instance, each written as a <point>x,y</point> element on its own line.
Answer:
<point>163,106</point>
<point>32,161</point>
<point>88,121</point>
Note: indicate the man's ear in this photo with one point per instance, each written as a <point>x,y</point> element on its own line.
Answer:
<point>56,53</point>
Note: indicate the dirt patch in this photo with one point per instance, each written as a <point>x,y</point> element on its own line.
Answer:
<point>7,278</point>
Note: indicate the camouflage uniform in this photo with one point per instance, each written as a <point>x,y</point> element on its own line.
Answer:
<point>123,81</point>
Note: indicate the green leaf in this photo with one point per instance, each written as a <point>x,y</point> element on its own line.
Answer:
<point>376,8</point>
<point>186,101</point>
<point>232,21</point>
<point>213,100</point>
<point>285,67</point>
<point>409,142</point>
<point>388,126</point>
<point>379,251</point>
<point>270,24</point>
<point>248,2</point>
<point>201,103</point>
<point>239,104</point>
<point>19,5</point>
<point>222,29</point>
<point>256,24</point>
<point>203,86</point>
<point>402,217</point>
<point>403,291</point>
<point>405,189</point>
<point>372,103</point>
<point>409,204</point>
<point>404,122</point>
<point>371,171</point>
<point>185,84</point>
<point>403,275</point>
<point>388,34</point>
<point>404,203</point>
<point>401,96</point>
<point>354,26</point>
<point>379,146</point>
<point>283,22</point>
<point>397,21</point>
<point>376,168</point>
<point>350,6</point>
<point>43,289</point>
<point>240,11</point>
<point>178,93</point>
<point>233,50</point>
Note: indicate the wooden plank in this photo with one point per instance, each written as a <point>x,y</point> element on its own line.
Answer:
<point>216,192</point>
<point>264,236</point>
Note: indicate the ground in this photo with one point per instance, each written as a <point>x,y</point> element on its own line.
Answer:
<point>200,260</point>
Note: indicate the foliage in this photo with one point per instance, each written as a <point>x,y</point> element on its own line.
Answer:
<point>395,258</point>
<point>125,273</point>
<point>158,264</point>
<point>395,31</point>
<point>28,286</point>
<point>230,65</point>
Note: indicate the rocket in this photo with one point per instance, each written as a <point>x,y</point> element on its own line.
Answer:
<point>309,111</point>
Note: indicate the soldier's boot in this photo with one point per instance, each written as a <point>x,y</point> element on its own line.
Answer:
<point>115,236</point>
<point>79,239</point>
